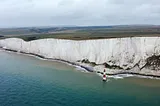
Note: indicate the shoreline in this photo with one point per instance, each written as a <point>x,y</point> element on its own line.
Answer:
<point>133,73</point>
<point>49,59</point>
<point>83,67</point>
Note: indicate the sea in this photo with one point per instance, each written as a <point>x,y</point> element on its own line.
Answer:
<point>29,81</point>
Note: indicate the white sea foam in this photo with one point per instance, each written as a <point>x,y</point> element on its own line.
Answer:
<point>80,69</point>
<point>115,76</point>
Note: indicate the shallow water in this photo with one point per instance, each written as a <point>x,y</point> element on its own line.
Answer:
<point>28,81</point>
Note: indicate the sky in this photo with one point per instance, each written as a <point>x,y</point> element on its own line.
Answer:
<point>25,13</point>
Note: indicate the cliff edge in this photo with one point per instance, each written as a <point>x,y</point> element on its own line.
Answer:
<point>134,55</point>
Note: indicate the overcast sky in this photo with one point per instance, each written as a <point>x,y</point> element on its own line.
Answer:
<point>20,13</point>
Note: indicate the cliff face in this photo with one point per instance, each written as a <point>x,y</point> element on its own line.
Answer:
<point>125,53</point>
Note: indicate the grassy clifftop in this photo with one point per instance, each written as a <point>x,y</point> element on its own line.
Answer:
<point>80,33</point>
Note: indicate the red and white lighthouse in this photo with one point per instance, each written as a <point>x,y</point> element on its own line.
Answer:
<point>104,75</point>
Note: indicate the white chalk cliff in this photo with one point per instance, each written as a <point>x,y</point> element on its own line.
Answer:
<point>122,52</point>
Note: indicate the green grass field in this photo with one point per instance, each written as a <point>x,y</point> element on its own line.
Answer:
<point>85,33</point>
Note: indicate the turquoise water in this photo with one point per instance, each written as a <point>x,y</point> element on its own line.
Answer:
<point>27,81</point>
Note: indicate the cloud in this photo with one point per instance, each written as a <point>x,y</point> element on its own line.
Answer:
<point>78,12</point>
